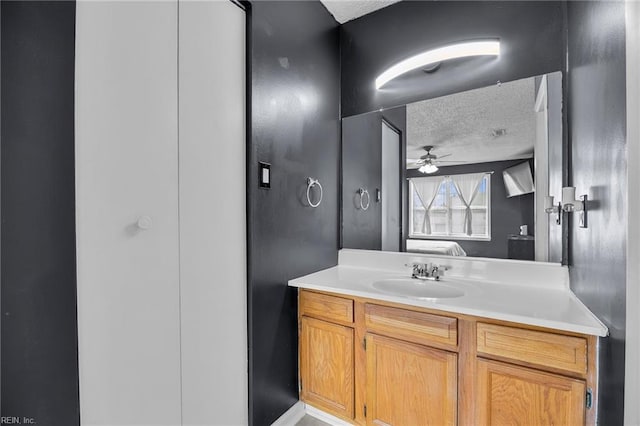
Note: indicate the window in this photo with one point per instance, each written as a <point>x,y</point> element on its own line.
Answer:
<point>453,207</point>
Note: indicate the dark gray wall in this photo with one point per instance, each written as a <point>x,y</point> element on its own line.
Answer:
<point>39,329</point>
<point>507,214</point>
<point>597,126</point>
<point>362,167</point>
<point>531,33</point>
<point>295,111</point>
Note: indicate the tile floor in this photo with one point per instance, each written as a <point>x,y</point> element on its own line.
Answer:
<point>311,421</point>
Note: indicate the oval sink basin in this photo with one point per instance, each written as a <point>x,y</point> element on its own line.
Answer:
<point>411,287</point>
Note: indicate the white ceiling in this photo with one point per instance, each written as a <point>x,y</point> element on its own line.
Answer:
<point>462,124</point>
<point>346,10</point>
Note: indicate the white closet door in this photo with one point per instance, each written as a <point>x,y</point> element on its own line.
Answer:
<point>127,168</point>
<point>212,212</point>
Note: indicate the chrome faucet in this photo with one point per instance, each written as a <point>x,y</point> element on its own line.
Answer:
<point>427,271</point>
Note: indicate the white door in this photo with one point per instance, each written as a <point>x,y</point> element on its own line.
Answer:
<point>126,170</point>
<point>161,213</point>
<point>390,188</point>
<point>212,213</point>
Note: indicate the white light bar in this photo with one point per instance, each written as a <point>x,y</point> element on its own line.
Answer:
<point>453,51</point>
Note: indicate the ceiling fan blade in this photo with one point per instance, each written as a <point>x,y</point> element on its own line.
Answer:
<point>453,161</point>
<point>443,156</point>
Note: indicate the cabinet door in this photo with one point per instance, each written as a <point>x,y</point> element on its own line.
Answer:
<point>326,366</point>
<point>410,384</point>
<point>512,395</point>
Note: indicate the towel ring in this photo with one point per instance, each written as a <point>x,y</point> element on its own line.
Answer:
<point>362,192</point>
<point>311,182</point>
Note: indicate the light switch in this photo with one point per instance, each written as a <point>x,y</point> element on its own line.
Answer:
<point>265,175</point>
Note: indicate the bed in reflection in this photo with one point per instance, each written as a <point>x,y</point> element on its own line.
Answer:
<point>448,248</point>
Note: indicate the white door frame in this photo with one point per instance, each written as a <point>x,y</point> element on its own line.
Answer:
<point>541,166</point>
<point>632,347</point>
<point>390,235</point>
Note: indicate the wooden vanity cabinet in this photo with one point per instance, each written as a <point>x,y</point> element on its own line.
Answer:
<point>410,384</point>
<point>378,363</point>
<point>530,377</point>
<point>411,367</point>
<point>326,366</point>
<point>326,353</point>
<point>515,395</point>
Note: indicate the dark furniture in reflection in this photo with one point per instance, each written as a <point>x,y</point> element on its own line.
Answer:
<point>521,247</point>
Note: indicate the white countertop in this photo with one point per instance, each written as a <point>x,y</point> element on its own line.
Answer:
<point>545,306</point>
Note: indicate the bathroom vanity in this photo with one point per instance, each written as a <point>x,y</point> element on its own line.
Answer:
<point>520,349</point>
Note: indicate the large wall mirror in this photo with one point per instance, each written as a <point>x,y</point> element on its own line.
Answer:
<point>461,175</point>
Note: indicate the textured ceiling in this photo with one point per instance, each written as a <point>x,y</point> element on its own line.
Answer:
<point>346,10</point>
<point>463,124</point>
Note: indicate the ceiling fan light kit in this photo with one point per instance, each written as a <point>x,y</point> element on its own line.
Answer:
<point>428,168</point>
<point>426,162</point>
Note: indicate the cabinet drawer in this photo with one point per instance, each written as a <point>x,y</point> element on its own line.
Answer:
<point>325,306</point>
<point>534,347</point>
<point>411,325</point>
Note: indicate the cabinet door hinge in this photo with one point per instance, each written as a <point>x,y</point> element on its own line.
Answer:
<point>365,411</point>
<point>364,343</point>
<point>589,399</point>
<point>300,384</point>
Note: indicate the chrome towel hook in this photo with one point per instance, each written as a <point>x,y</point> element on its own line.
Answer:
<point>311,182</point>
<point>362,192</point>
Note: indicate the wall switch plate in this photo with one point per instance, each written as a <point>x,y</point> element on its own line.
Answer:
<point>264,175</point>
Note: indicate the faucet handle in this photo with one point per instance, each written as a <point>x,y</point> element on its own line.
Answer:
<point>416,270</point>
<point>439,270</point>
<point>419,270</point>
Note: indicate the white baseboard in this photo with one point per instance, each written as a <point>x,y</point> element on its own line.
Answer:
<point>327,418</point>
<point>292,416</point>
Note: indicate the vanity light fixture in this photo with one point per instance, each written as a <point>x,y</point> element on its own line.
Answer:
<point>570,204</point>
<point>488,47</point>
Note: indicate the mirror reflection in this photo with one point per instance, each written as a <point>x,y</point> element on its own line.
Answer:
<point>460,175</point>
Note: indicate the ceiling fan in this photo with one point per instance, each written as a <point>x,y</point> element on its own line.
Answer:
<point>427,162</point>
